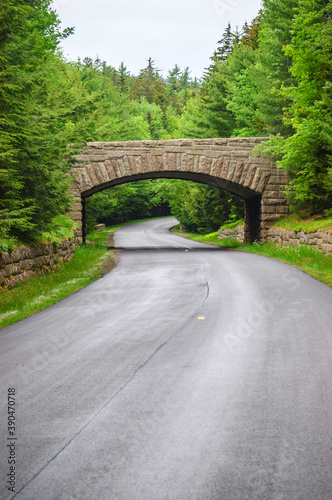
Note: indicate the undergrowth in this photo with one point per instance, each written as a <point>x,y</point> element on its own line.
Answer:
<point>62,229</point>
<point>300,222</point>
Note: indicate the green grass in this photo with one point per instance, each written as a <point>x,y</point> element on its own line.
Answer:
<point>301,222</point>
<point>304,257</point>
<point>43,290</point>
<point>233,225</point>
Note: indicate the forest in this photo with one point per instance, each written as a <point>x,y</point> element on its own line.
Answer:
<point>270,78</point>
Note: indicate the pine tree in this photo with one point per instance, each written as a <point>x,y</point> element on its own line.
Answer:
<point>307,154</point>
<point>272,70</point>
<point>123,78</point>
<point>250,33</point>
<point>185,79</point>
<point>34,184</point>
<point>150,85</point>
<point>225,45</point>
<point>173,80</point>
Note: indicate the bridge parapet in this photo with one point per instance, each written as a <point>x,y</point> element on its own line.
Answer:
<point>224,163</point>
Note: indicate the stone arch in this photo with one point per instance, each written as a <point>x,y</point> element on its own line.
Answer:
<point>227,164</point>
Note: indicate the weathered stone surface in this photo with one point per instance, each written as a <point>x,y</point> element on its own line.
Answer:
<point>239,153</point>
<point>235,234</point>
<point>227,233</point>
<point>110,169</point>
<point>269,209</point>
<point>171,161</point>
<point>250,176</point>
<point>203,142</point>
<point>321,240</point>
<point>220,142</point>
<point>20,264</point>
<point>264,178</point>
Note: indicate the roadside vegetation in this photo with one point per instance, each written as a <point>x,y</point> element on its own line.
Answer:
<point>300,221</point>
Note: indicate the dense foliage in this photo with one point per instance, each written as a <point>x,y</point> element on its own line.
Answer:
<point>307,153</point>
<point>41,102</point>
<point>273,77</point>
<point>198,208</point>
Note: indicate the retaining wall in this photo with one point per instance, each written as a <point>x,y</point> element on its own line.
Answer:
<point>237,233</point>
<point>20,264</point>
<point>320,240</point>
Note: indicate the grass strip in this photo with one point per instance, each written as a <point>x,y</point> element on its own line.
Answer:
<point>300,222</point>
<point>304,257</point>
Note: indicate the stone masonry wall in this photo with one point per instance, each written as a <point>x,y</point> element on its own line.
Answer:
<point>237,233</point>
<point>20,264</point>
<point>320,240</point>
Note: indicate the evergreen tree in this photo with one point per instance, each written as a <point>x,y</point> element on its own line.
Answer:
<point>173,80</point>
<point>250,33</point>
<point>123,78</point>
<point>225,45</point>
<point>34,184</point>
<point>150,85</point>
<point>116,117</point>
<point>185,79</point>
<point>242,91</point>
<point>306,155</point>
<point>272,70</point>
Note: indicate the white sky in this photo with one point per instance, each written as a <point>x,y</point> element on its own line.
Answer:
<point>183,32</point>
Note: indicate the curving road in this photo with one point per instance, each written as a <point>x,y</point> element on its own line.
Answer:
<point>190,372</point>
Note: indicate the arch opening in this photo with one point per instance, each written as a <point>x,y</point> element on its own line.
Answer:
<point>252,204</point>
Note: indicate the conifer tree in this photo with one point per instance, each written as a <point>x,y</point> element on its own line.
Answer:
<point>34,184</point>
<point>306,154</point>
<point>225,45</point>
<point>150,85</point>
<point>272,70</point>
<point>174,80</point>
<point>123,78</point>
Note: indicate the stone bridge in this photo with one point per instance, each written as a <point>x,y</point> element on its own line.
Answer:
<point>223,163</point>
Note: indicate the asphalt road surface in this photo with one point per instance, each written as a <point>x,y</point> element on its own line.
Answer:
<point>188,372</point>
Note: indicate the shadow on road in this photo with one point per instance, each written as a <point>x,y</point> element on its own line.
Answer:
<point>170,249</point>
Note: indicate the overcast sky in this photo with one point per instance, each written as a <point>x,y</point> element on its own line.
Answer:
<point>183,32</point>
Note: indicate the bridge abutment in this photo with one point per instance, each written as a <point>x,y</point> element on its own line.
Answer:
<point>252,222</point>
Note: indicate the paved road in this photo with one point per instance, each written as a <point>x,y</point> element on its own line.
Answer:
<point>125,392</point>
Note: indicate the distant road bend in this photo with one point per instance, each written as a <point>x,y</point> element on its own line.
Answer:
<point>190,372</point>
